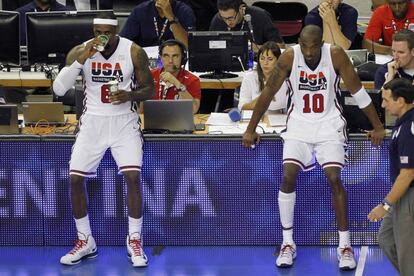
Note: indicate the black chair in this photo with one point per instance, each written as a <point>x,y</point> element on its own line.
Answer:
<point>288,17</point>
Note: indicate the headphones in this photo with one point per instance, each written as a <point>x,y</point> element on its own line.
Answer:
<point>172,42</point>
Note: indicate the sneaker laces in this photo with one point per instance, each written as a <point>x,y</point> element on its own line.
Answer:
<point>347,253</point>
<point>79,244</point>
<point>136,246</point>
<point>287,249</point>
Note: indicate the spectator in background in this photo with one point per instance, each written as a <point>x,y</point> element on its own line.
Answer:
<point>402,65</point>
<point>254,81</point>
<point>337,20</point>
<point>231,17</point>
<point>172,81</point>
<point>386,21</point>
<point>36,6</point>
<point>152,22</point>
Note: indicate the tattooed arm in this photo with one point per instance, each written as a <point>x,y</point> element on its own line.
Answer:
<point>145,89</point>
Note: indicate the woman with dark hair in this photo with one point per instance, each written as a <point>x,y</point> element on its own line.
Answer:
<point>254,81</point>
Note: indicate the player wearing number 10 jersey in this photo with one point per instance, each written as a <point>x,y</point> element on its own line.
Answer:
<point>315,129</point>
<point>109,121</point>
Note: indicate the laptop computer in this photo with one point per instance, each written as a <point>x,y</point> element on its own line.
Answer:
<point>357,57</point>
<point>43,113</point>
<point>168,116</point>
<point>8,119</point>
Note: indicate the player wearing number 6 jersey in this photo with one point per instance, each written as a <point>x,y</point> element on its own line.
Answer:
<point>109,121</point>
<point>315,128</point>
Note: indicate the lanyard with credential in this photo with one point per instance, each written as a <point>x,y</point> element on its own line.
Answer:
<point>157,31</point>
<point>394,26</point>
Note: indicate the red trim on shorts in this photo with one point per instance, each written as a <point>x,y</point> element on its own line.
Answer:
<point>333,164</point>
<point>81,173</point>
<point>299,163</point>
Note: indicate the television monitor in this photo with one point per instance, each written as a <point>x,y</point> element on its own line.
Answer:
<point>10,38</point>
<point>51,35</point>
<point>218,52</point>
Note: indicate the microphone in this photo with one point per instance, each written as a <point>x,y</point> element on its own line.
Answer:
<point>235,114</point>
<point>248,19</point>
<point>371,56</point>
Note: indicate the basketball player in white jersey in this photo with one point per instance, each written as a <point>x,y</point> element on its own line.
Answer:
<point>315,128</point>
<point>109,121</point>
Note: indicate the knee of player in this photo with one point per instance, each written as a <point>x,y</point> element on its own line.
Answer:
<point>334,179</point>
<point>131,177</point>
<point>76,181</point>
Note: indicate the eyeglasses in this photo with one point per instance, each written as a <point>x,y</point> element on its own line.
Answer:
<point>230,18</point>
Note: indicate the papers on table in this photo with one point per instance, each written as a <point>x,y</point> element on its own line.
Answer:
<point>220,123</point>
<point>220,119</point>
<point>246,115</point>
<point>382,59</point>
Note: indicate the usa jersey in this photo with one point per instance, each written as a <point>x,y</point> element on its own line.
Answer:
<point>97,71</point>
<point>313,92</point>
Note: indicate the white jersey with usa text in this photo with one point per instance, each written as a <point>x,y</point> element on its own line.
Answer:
<point>98,71</point>
<point>313,93</point>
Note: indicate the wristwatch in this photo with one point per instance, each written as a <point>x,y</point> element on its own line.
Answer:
<point>181,88</point>
<point>174,21</point>
<point>386,205</point>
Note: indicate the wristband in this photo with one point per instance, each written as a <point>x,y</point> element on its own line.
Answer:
<point>362,98</point>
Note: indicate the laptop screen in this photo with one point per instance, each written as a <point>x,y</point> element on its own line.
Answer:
<point>169,116</point>
<point>358,57</point>
<point>45,112</point>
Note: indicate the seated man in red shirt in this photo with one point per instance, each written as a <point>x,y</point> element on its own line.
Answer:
<point>386,21</point>
<point>172,81</point>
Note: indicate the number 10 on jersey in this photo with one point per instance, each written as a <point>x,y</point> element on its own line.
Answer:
<point>313,103</point>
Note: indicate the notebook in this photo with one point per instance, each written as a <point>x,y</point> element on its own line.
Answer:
<point>357,57</point>
<point>168,116</point>
<point>43,113</point>
<point>8,119</point>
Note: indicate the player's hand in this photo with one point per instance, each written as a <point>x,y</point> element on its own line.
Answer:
<point>165,7</point>
<point>250,140</point>
<point>377,214</point>
<point>377,135</point>
<point>119,97</point>
<point>89,50</point>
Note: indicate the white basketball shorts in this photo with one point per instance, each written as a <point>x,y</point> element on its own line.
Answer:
<point>121,133</point>
<point>324,141</point>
